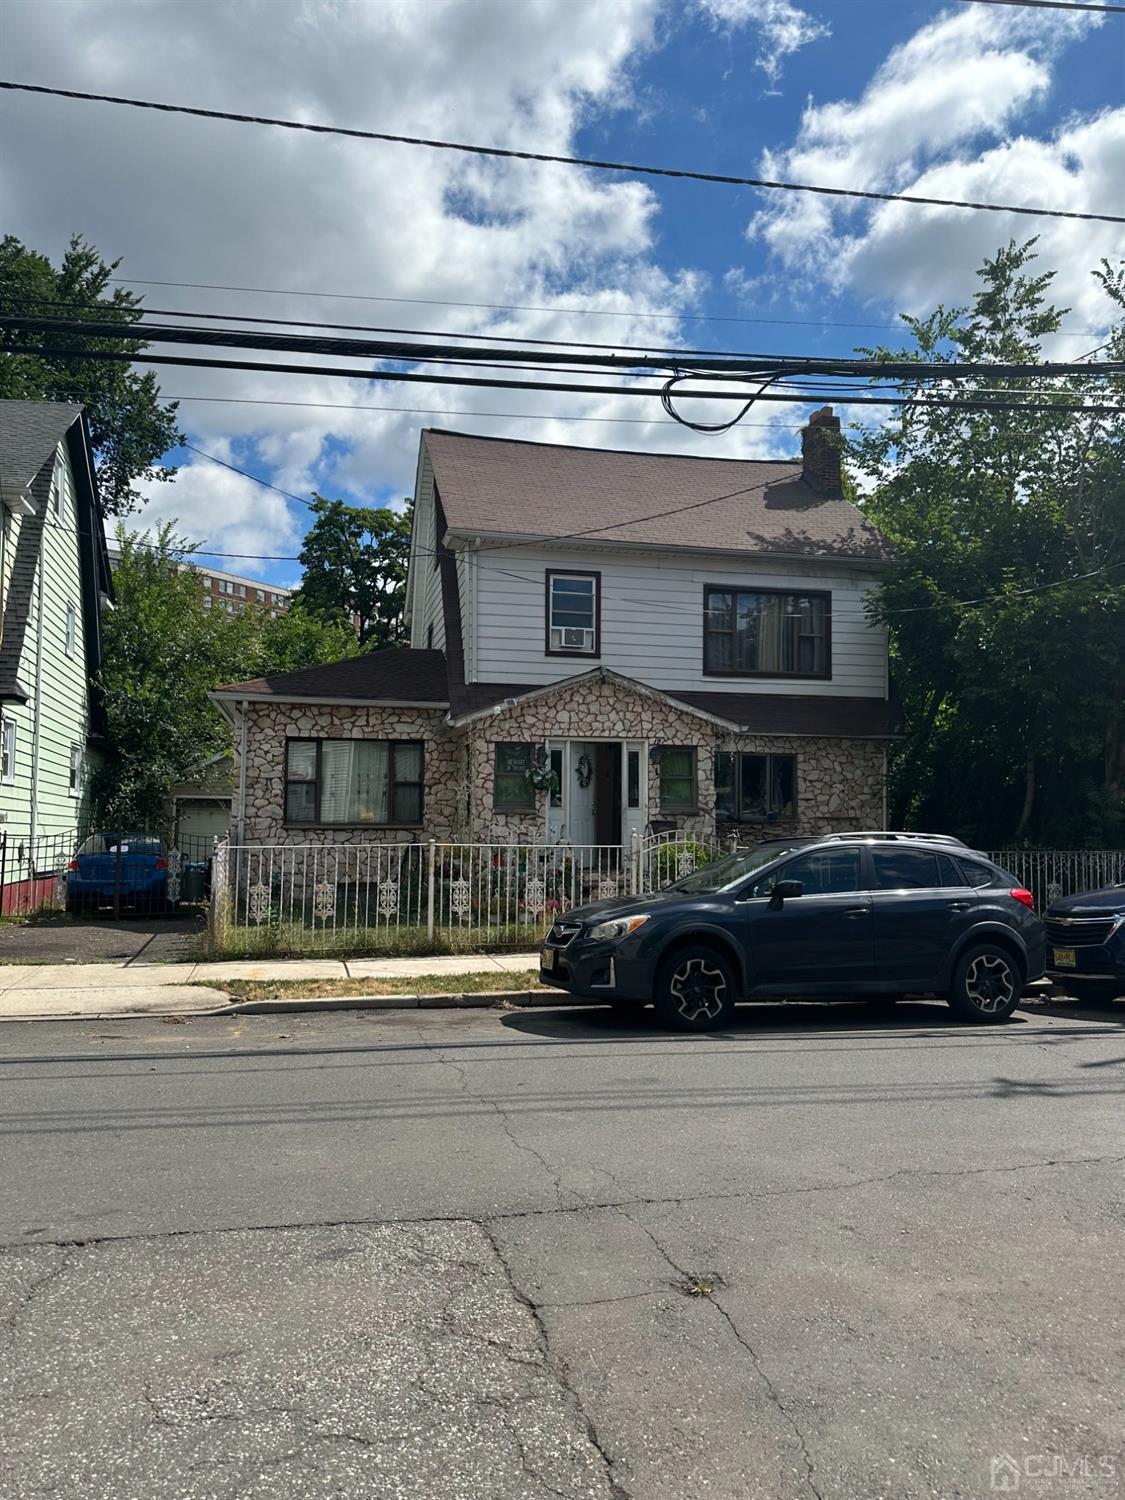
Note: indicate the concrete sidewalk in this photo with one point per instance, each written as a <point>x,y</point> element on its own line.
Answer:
<point>50,991</point>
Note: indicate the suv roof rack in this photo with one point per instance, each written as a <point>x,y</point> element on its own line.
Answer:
<point>885,833</point>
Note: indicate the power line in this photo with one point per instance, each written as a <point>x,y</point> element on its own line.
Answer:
<point>491,338</point>
<point>585,312</point>
<point>1052,5</point>
<point>633,168</point>
<point>741,366</point>
<point>444,411</point>
<point>236,470</point>
<point>555,387</point>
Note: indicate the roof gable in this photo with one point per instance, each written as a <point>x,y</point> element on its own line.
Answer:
<point>501,486</point>
<point>30,431</point>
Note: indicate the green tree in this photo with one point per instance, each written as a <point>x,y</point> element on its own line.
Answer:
<point>355,560</point>
<point>1015,701</point>
<point>298,638</point>
<point>162,654</point>
<point>129,426</point>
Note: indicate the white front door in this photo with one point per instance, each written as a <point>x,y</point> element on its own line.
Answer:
<point>634,791</point>
<point>572,811</point>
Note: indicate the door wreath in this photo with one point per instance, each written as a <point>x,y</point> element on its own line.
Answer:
<point>584,770</point>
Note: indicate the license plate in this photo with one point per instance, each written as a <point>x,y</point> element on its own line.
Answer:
<point>1064,958</point>
<point>547,958</point>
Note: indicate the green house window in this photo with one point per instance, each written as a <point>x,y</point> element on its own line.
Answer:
<point>512,789</point>
<point>677,779</point>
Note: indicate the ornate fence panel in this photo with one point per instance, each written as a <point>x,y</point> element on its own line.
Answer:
<point>421,897</point>
<point>1051,873</point>
<point>661,858</point>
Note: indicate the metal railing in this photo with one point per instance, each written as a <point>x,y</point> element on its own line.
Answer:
<point>1052,873</point>
<point>425,897</point>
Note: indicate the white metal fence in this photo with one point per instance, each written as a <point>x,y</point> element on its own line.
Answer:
<point>464,897</point>
<point>1051,873</point>
<point>426,897</point>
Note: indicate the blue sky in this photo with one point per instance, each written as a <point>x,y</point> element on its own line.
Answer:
<point>959,100</point>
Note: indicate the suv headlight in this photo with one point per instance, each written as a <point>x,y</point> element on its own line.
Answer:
<point>612,932</point>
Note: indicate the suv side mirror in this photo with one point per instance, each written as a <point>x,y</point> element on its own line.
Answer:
<point>782,890</point>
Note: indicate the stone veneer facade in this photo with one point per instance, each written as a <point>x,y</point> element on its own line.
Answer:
<point>840,782</point>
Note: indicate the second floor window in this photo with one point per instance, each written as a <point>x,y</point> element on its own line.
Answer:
<point>353,781</point>
<point>70,639</point>
<point>573,614</point>
<point>765,633</point>
<point>75,779</point>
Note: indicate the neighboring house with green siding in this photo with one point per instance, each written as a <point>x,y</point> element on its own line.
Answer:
<point>54,583</point>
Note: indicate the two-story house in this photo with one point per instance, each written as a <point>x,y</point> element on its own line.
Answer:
<point>54,580</point>
<point>602,644</point>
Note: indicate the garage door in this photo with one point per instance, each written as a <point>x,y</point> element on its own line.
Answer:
<point>201,820</point>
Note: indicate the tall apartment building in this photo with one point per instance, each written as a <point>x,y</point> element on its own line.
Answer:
<point>234,593</point>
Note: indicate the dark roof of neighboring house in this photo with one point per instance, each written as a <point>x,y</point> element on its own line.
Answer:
<point>393,676</point>
<point>753,713</point>
<point>30,431</point>
<point>513,488</point>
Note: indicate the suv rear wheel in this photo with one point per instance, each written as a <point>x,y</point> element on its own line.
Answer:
<point>986,984</point>
<point>695,989</point>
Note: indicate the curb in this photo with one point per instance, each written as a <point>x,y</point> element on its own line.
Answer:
<point>479,1000</point>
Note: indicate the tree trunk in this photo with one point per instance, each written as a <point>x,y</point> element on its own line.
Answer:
<point>1028,796</point>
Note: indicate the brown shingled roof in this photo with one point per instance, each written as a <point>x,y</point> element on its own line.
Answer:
<point>504,486</point>
<point>395,676</point>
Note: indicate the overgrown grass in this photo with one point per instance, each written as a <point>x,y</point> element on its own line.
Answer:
<point>493,982</point>
<point>294,940</point>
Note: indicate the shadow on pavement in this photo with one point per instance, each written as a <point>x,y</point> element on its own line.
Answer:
<point>63,939</point>
<point>914,1016</point>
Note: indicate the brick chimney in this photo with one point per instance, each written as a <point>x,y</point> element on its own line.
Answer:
<point>821,450</point>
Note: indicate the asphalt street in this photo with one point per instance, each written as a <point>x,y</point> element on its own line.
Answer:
<point>826,1254</point>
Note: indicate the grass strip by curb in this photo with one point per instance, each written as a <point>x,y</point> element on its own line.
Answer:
<point>495,982</point>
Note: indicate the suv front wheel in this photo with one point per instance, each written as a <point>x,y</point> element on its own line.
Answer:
<point>986,984</point>
<point>695,989</point>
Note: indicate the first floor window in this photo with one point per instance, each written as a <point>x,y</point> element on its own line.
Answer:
<point>557,768</point>
<point>7,749</point>
<point>633,778</point>
<point>353,781</point>
<point>512,790</point>
<point>751,788</point>
<point>75,770</point>
<point>677,779</point>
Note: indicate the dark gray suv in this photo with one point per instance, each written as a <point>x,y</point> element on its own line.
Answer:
<point>872,915</point>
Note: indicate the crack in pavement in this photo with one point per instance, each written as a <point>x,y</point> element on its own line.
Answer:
<point>560,1371</point>
<point>61,1265</point>
<point>771,1389</point>
<point>588,1205</point>
<point>504,1118</point>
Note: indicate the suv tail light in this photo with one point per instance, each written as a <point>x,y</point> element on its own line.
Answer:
<point>1024,896</point>
<point>161,864</point>
<point>73,865</point>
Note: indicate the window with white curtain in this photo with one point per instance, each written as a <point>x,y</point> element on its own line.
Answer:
<point>765,633</point>
<point>354,781</point>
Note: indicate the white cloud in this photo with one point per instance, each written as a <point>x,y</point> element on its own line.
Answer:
<point>941,117</point>
<point>784,27</point>
<point>199,201</point>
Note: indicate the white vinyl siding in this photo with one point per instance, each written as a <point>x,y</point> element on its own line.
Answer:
<point>63,721</point>
<point>426,578</point>
<point>652,619</point>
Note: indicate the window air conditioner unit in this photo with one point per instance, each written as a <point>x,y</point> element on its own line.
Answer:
<point>576,639</point>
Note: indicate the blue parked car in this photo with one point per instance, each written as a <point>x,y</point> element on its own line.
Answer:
<point>1086,943</point>
<point>133,864</point>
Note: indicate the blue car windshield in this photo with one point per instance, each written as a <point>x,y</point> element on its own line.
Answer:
<point>731,869</point>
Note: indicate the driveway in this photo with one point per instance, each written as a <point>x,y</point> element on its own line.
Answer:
<point>818,1256</point>
<point>63,939</point>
